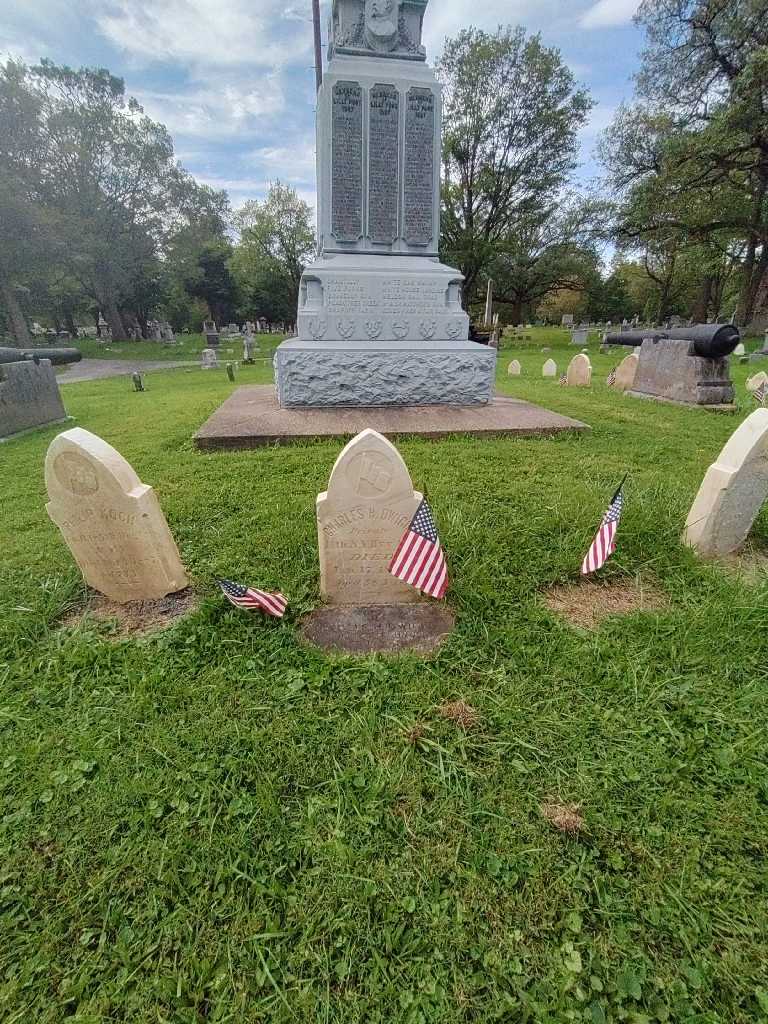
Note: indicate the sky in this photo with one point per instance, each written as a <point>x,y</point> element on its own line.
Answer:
<point>233,80</point>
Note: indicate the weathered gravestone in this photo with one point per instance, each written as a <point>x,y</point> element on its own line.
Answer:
<point>625,372</point>
<point>740,350</point>
<point>514,369</point>
<point>579,372</point>
<point>111,521</point>
<point>579,336</point>
<point>754,382</point>
<point>209,359</point>
<point>361,518</point>
<point>549,369</point>
<point>732,493</point>
<point>29,397</point>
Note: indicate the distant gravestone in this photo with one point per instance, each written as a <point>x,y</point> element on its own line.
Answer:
<point>361,519</point>
<point>754,382</point>
<point>514,369</point>
<point>549,369</point>
<point>740,350</point>
<point>579,336</point>
<point>732,493</point>
<point>29,397</point>
<point>209,359</point>
<point>111,521</point>
<point>567,320</point>
<point>625,372</point>
<point>579,372</point>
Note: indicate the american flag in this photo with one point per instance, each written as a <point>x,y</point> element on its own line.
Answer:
<point>419,559</point>
<point>611,378</point>
<point>604,543</point>
<point>760,392</point>
<point>563,380</point>
<point>249,597</point>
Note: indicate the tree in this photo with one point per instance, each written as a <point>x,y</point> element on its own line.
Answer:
<point>276,242</point>
<point>512,113</point>
<point>690,161</point>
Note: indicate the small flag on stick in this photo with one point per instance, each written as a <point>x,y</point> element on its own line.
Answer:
<point>563,380</point>
<point>604,543</point>
<point>611,378</point>
<point>760,392</point>
<point>249,597</point>
<point>419,559</point>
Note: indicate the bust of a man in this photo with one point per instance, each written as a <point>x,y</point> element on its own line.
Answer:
<point>381,24</point>
<point>382,28</point>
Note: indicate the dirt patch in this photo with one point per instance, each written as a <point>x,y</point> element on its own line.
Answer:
<point>137,617</point>
<point>565,817</point>
<point>588,602</point>
<point>460,713</point>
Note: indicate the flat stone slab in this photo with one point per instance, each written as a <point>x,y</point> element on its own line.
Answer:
<point>251,417</point>
<point>383,629</point>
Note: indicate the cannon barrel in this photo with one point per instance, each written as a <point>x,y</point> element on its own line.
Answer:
<point>58,356</point>
<point>710,341</point>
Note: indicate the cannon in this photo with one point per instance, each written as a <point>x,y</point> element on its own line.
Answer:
<point>57,356</point>
<point>710,341</point>
<point>683,364</point>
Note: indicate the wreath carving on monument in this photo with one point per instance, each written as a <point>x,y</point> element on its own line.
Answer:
<point>373,328</point>
<point>400,329</point>
<point>427,329</point>
<point>317,328</point>
<point>346,329</point>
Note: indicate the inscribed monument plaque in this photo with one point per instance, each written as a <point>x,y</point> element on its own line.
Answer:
<point>383,163</point>
<point>361,519</point>
<point>111,521</point>
<point>347,144</point>
<point>419,165</point>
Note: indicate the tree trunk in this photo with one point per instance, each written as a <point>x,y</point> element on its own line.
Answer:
<point>754,272</point>
<point>15,315</point>
<point>69,322</point>
<point>703,299</point>
<point>115,321</point>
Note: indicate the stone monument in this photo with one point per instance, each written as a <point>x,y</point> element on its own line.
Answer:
<point>625,372</point>
<point>361,518</point>
<point>29,396</point>
<point>380,320</point>
<point>579,374</point>
<point>111,521</point>
<point>732,493</point>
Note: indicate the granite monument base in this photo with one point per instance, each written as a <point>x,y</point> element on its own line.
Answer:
<point>251,417</point>
<point>29,398</point>
<point>670,370</point>
<point>344,374</point>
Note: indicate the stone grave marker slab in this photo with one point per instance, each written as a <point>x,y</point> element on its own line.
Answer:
<point>732,493</point>
<point>514,369</point>
<point>29,397</point>
<point>579,372</point>
<point>549,369</point>
<point>361,518</point>
<point>754,382</point>
<point>111,521</point>
<point>625,372</point>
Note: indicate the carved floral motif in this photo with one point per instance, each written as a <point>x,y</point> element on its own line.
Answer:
<point>317,328</point>
<point>427,329</point>
<point>400,329</point>
<point>373,328</point>
<point>346,329</point>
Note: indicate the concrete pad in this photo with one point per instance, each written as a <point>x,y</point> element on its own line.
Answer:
<point>384,629</point>
<point>251,417</point>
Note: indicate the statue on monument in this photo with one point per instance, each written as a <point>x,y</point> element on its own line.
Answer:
<point>387,28</point>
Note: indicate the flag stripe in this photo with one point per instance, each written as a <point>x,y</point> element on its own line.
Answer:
<point>418,559</point>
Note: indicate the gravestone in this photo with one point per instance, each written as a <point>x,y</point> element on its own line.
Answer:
<point>29,396</point>
<point>754,382</point>
<point>380,320</point>
<point>111,521</point>
<point>579,336</point>
<point>740,350</point>
<point>670,369</point>
<point>567,320</point>
<point>209,359</point>
<point>579,373</point>
<point>514,369</point>
<point>732,493</point>
<point>549,369</point>
<point>625,372</point>
<point>361,519</point>
<point>249,343</point>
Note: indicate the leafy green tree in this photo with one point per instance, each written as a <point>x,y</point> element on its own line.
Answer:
<point>277,240</point>
<point>512,113</point>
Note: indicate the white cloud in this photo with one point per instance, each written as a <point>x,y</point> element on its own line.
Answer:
<point>292,164</point>
<point>223,33</point>
<point>609,13</point>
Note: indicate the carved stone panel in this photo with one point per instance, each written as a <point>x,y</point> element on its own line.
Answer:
<point>347,162</point>
<point>418,227</point>
<point>383,163</point>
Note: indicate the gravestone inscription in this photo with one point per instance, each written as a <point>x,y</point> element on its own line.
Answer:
<point>384,161</point>
<point>361,518</point>
<point>347,162</point>
<point>419,166</point>
<point>111,521</point>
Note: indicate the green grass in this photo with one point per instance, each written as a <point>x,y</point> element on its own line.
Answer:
<point>189,346</point>
<point>217,823</point>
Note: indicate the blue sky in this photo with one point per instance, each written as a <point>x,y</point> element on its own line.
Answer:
<point>233,79</point>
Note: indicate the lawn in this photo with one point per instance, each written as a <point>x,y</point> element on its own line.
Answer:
<point>216,823</point>
<point>187,347</point>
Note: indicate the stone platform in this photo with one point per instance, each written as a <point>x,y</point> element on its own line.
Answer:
<point>251,417</point>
